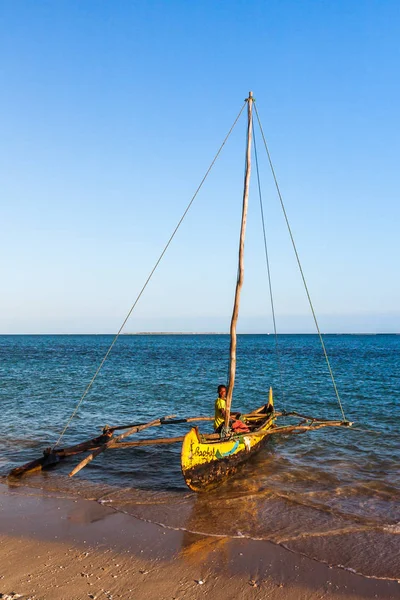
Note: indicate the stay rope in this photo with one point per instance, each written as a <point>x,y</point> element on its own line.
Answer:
<point>147,280</point>
<point>268,271</point>
<point>299,264</point>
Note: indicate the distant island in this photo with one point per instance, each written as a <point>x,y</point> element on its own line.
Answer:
<point>178,333</point>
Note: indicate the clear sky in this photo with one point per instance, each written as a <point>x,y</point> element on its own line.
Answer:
<point>112,111</point>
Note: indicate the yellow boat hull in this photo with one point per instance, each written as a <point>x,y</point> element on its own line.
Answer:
<point>206,462</point>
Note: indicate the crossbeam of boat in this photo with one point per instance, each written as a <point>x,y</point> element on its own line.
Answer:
<point>215,437</point>
<point>163,421</point>
<point>108,441</point>
<point>52,456</point>
<point>150,442</point>
<point>308,417</point>
<point>302,427</point>
<point>113,441</point>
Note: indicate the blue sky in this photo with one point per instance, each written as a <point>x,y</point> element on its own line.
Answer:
<point>112,111</point>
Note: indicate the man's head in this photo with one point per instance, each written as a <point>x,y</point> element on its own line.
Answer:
<point>222,391</point>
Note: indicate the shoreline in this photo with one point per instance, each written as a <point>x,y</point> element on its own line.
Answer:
<point>57,548</point>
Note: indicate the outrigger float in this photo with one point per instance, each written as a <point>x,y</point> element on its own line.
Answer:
<point>210,458</point>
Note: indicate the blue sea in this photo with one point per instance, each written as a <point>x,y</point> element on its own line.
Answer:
<point>332,494</point>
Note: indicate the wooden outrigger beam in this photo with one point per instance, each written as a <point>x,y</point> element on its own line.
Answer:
<point>150,442</point>
<point>300,428</point>
<point>315,424</point>
<point>163,421</point>
<point>52,456</point>
<point>113,441</point>
<point>307,417</point>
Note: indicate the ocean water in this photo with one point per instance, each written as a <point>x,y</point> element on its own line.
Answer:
<point>332,495</point>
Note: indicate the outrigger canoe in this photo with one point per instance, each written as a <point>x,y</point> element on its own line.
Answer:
<point>206,459</point>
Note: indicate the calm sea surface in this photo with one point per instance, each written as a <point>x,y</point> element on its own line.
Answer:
<point>332,494</point>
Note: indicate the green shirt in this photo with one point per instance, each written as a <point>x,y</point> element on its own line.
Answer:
<point>220,405</point>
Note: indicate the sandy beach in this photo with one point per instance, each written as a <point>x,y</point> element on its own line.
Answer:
<point>58,548</point>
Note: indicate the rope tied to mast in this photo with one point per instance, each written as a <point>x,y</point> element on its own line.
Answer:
<point>278,356</point>
<point>299,265</point>
<point>88,387</point>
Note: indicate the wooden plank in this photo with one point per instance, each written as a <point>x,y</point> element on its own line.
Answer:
<point>167,421</point>
<point>300,428</point>
<point>309,418</point>
<point>149,442</point>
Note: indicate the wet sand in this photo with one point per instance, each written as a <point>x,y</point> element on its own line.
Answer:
<point>56,548</point>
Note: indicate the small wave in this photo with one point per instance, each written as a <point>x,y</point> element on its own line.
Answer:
<point>395,528</point>
<point>240,535</point>
<point>363,574</point>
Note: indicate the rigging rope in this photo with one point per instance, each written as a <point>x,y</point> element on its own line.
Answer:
<point>299,264</point>
<point>148,279</point>
<point>268,270</point>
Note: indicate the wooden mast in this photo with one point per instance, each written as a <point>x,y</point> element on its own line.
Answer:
<point>239,283</point>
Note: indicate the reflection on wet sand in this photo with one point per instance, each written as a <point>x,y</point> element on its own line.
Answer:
<point>198,548</point>
<point>88,512</point>
<point>213,513</point>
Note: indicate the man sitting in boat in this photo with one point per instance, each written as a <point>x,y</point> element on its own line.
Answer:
<point>220,407</point>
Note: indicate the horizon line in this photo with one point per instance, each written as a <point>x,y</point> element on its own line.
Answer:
<point>147,333</point>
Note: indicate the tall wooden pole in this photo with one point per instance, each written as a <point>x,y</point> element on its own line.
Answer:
<point>239,283</point>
